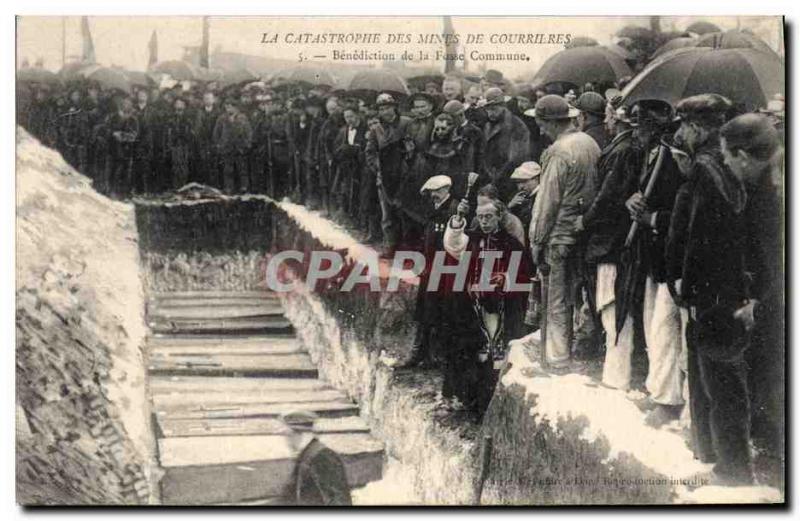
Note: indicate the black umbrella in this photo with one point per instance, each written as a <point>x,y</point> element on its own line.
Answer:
<point>72,71</point>
<point>748,77</point>
<point>582,65</point>
<point>311,75</point>
<point>178,70</point>
<point>379,80</point>
<point>37,75</point>
<point>140,79</point>
<point>733,39</point>
<point>109,78</point>
<point>703,27</point>
<point>675,43</point>
<point>581,41</point>
<point>634,32</point>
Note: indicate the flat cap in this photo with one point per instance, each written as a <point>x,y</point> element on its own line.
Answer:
<point>527,170</point>
<point>704,107</point>
<point>493,76</point>
<point>453,107</point>
<point>299,420</point>
<point>384,98</point>
<point>651,112</point>
<point>552,107</point>
<point>436,182</point>
<point>591,102</point>
<point>420,96</point>
<point>493,96</point>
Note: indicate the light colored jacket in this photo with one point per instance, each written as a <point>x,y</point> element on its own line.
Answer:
<point>568,186</point>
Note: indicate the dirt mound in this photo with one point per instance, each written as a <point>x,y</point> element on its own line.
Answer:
<point>83,434</point>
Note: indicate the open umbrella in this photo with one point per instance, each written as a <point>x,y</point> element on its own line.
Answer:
<point>623,53</point>
<point>207,75</point>
<point>703,27</point>
<point>109,78</point>
<point>140,79</point>
<point>675,43</point>
<point>748,77</point>
<point>581,41</point>
<point>37,75</point>
<point>379,80</point>
<point>733,39</point>
<point>178,70</point>
<point>312,75</point>
<point>419,82</point>
<point>72,71</point>
<point>634,32</point>
<point>582,65</point>
<point>236,76</point>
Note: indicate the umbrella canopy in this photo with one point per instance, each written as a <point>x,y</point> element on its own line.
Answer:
<point>236,76</point>
<point>703,27</point>
<point>581,65</point>
<point>72,71</point>
<point>37,75</point>
<point>310,74</point>
<point>733,39</point>
<point>748,77</point>
<point>109,78</point>
<point>634,32</point>
<point>581,41</point>
<point>203,74</point>
<point>140,79</point>
<point>178,70</point>
<point>623,53</point>
<point>675,43</point>
<point>419,82</point>
<point>379,80</point>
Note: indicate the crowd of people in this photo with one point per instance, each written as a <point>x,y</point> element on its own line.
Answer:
<point>650,224</point>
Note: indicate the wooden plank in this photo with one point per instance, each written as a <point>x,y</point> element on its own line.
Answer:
<point>230,385</point>
<point>163,401</point>
<point>222,349</point>
<point>276,365</point>
<point>161,311</point>
<point>215,294</point>
<point>161,339</point>
<point>330,409</point>
<point>252,426</point>
<point>221,326</point>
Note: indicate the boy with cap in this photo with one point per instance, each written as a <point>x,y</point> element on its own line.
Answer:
<point>526,178</point>
<point>319,478</point>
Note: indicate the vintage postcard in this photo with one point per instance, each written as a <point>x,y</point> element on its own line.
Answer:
<point>407,261</point>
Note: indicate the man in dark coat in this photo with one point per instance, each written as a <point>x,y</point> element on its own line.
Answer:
<point>328,135</point>
<point>207,162</point>
<point>431,304</point>
<point>389,149</point>
<point>347,165</point>
<point>592,117</point>
<point>73,132</point>
<point>179,140</point>
<point>751,148</point>
<point>320,478</point>
<point>232,140</point>
<point>121,131</point>
<point>507,141</point>
<point>704,252</point>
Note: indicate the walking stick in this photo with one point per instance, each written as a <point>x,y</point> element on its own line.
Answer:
<point>270,168</point>
<point>486,461</point>
<point>662,152</point>
<point>544,275</point>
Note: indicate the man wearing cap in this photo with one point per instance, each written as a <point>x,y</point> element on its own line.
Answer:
<point>232,139</point>
<point>329,132</point>
<point>705,262</point>
<point>203,127</point>
<point>526,179</point>
<point>644,289</point>
<point>593,110</point>
<point>472,145</point>
<point>420,127</point>
<point>507,140</point>
<point>348,165</point>
<point>319,478</point>
<point>121,129</point>
<point>567,187</point>
<point>430,304</point>
<point>389,148</point>
<point>493,79</point>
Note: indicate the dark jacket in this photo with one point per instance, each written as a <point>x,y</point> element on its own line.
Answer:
<point>507,142</point>
<point>607,221</point>
<point>704,244</point>
<point>386,153</point>
<point>320,478</point>
<point>598,133</point>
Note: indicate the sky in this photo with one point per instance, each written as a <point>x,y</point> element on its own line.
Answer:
<point>123,40</point>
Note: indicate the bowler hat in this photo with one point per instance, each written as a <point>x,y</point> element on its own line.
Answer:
<point>591,102</point>
<point>494,77</point>
<point>493,96</point>
<point>552,107</point>
<point>651,112</point>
